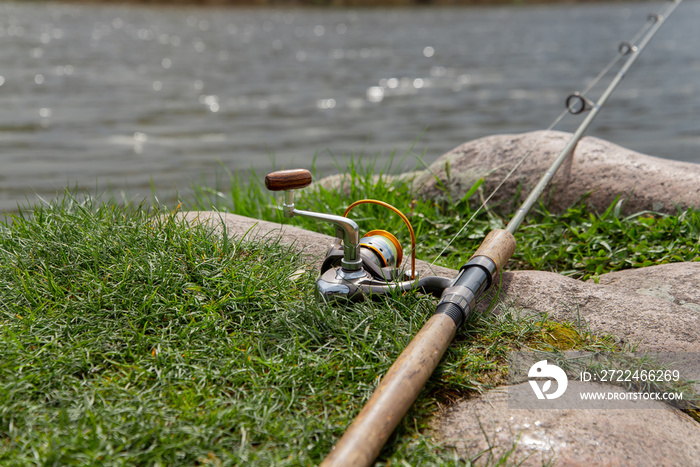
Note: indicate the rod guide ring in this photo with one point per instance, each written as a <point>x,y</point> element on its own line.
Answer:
<point>577,103</point>
<point>626,48</point>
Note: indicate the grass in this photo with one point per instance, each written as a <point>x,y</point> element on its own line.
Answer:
<point>579,242</point>
<point>131,338</point>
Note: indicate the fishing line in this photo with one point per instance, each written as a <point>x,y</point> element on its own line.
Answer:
<point>576,98</point>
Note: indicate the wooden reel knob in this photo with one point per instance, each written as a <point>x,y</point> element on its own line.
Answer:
<point>288,179</point>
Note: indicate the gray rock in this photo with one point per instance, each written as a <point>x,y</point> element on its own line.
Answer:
<point>677,283</point>
<point>622,309</point>
<point>342,182</point>
<point>312,244</point>
<point>485,429</point>
<point>598,167</point>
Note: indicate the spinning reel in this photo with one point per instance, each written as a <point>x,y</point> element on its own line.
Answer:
<point>356,266</point>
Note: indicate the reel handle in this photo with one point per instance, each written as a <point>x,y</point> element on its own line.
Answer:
<point>346,229</point>
<point>284,180</point>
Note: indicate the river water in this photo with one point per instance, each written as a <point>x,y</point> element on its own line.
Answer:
<point>134,98</point>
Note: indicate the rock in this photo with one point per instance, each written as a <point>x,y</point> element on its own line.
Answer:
<point>312,244</point>
<point>342,182</point>
<point>615,306</point>
<point>485,429</point>
<point>598,167</point>
<point>676,283</point>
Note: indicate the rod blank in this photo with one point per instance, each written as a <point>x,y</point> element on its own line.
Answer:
<point>632,54</point>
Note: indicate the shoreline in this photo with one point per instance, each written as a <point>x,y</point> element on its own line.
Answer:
<point>338,3</point>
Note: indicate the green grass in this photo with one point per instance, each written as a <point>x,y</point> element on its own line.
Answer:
<point>130,338</point>
<point>579,242</point>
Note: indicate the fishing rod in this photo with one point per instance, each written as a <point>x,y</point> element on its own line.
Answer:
<point>356,267</point>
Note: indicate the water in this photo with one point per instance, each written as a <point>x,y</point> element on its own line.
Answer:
<point>134,98</point>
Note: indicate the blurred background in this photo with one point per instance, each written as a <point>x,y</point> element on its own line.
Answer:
<point>138,99</point>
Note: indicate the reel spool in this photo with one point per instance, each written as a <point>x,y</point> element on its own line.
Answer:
<point>386,248</point>
<point>380,252</point>
<point>390,246</point>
